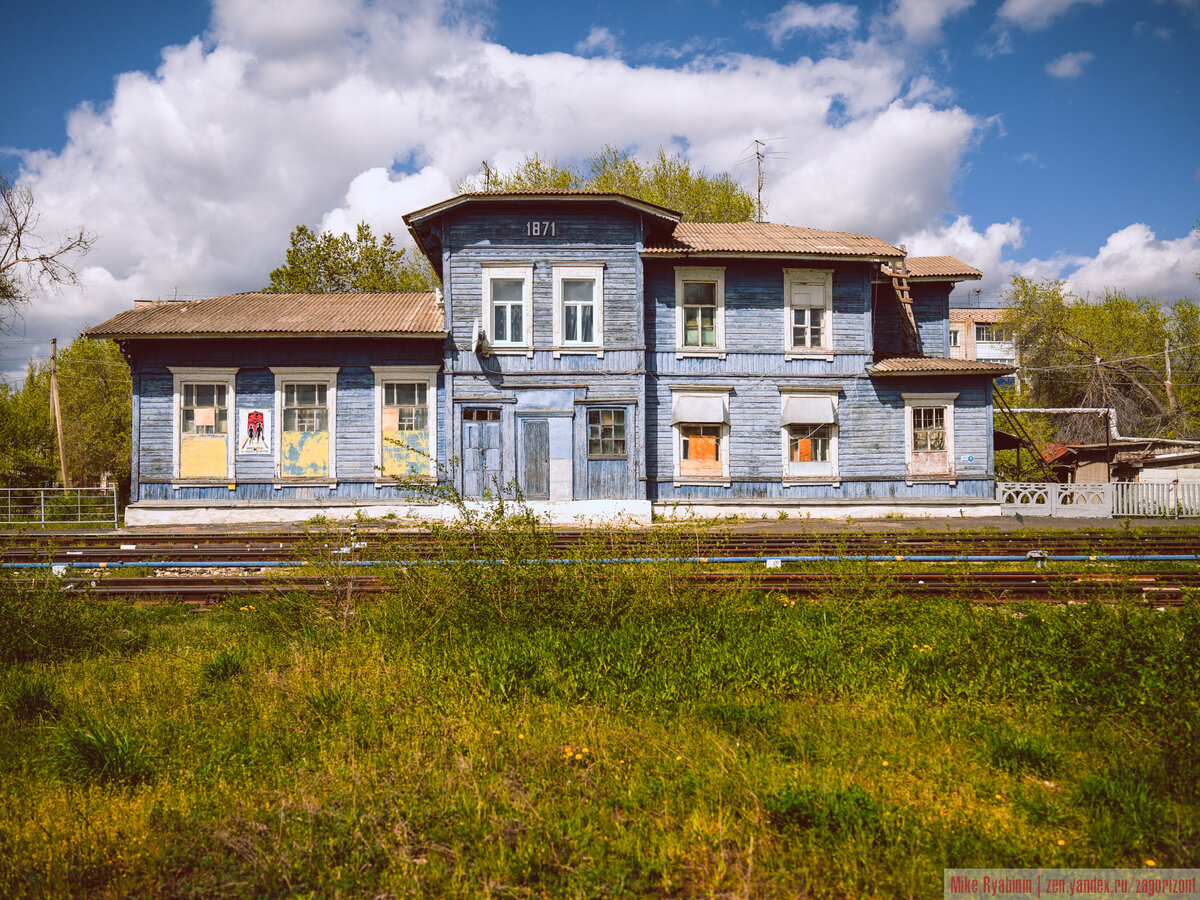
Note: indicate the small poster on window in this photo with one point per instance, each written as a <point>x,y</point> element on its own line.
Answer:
<point>256,431</point>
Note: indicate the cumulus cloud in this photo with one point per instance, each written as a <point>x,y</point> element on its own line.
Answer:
<point>599,42</point>
<point>1136,261</point>
<point>797,16</point>
<point>922,19</point>
<point>1034,15</point>
<point>1070,65</point>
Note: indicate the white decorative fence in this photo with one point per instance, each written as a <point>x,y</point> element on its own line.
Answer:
<point>1123,498</point>
<point>42,507</point>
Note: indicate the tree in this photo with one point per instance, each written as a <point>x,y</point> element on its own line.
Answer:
<point>95,388</point>
<point>1109,354</point>
<point>29,261</point>
<point>329,263</point>
<point>669,181</point>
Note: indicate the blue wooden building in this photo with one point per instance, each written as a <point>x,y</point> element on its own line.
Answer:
<point>589,350</point>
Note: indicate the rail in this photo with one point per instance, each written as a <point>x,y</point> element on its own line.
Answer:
<point>60,506</point>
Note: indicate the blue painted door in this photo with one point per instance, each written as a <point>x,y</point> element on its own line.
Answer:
<point>481,451</point>
<point>535,459</point>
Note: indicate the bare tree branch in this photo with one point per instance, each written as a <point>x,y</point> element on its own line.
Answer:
<point>28,261</point>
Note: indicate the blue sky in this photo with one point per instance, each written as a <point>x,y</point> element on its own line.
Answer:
<point>1058,138</point>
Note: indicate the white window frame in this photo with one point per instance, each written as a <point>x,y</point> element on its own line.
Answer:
<point>722,445</point>
<point>580,272</point>
<point>946,402</point>
<point>823,279</point>
<point>833,477</point>
<point>504,272</point>
<point>426,375</point>
<point>326,375</point>
<point>182,375</point>
<point>956,341</point>
<point>716,276</point>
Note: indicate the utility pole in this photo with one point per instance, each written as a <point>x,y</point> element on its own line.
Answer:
<point>1172,402</point>
<point>487,176</point>
<point>62,456</point>
<point>760,156</point>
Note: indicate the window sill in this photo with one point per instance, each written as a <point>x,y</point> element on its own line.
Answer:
<point>595,351</point>
<point>511,351</point>
<point>827,356</point>
<point>415,480</point>
<point>930,479</point>
<point>607,456</point>
<point>815,481</point>
<point>281,483</point>
<point>681,353</point>
<point>178,483</point>
<point>707,482</point>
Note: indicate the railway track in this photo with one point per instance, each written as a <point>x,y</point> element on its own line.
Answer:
<point>1163,589</point>
<point>110,548</point>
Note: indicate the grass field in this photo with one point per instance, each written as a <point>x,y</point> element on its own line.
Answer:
<point>520,730</point>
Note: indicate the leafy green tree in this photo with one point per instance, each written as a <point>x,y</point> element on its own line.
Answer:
<point>666,180</point>
<point>94,392</point>
<point>329,263</point>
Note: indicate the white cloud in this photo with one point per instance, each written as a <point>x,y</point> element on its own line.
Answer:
<point>922,19</point>
<point>599,42</point>
<point>1136,261</point>
<point>1070,65</point>
<point>1033,15</point>
<point>797,16</point>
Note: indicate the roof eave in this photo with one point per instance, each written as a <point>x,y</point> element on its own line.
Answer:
<point>763,254</point>
<point>178,335</point>
<point>998,372</point>
<point>417,216</point>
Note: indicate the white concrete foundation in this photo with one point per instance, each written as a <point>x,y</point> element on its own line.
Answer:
<point>830,511</point>
<point>575,512</point>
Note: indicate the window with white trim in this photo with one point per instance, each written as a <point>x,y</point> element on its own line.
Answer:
<point>929,436</point>
<point>955,338</point>
<point>808,306</point>
<point>699,310</point>
<point>305,408</point>
<point>405,422</point>
<point>508,302</point>
<point>809,426</point>
<point>991,333</point>
<point>700,422</point>
<point>578,307</point>
<point>203,441</point>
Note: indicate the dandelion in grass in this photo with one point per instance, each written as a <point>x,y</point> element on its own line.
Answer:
<point>885,763</point>
<point>1151,863</point>
<point>998,797</point>
<point>1061,842</point>
<point>678,758</point>
<point>579,756</point>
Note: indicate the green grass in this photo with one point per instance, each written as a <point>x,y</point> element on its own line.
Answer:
<point>589,731</point>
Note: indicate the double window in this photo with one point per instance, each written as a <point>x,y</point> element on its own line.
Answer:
<point>809,311</point>
<point>929,436</point>
<point>700,422</point>
<point>202,443</point>
<point>508,306</point>
<point>699,311</point>
<point>405,417</point>
<point>991,333</point>
<point>305,400</point>
<point>578,307</point>
<point>809,424</point>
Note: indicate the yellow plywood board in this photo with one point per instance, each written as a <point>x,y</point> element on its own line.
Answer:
<point>203,456</point>
<point>405,452</point>
<point>304,454</point>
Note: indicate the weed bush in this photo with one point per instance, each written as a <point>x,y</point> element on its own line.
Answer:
<point>225,665</point>
<point>836,812</point>
<point>105,752</point>
<point>1017,753</point>
<point>30,697</point>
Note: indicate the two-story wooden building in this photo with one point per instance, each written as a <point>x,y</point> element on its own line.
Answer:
<point>588,350</point>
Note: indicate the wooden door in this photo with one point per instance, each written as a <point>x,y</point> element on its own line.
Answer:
<point>535,458</point>
<point>480,451</point>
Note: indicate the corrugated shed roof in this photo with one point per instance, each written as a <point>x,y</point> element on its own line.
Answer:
<point>280,314</point>
<point>937,365</point>
<point>693,238</point>
<point>940,267</point>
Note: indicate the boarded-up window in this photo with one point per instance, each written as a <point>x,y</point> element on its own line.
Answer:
<point>810,450</point>
<point>606,432</point>
<point>204,431</point>
<point>304,440</point>
<point>405,428</point>
<point>700,450</point>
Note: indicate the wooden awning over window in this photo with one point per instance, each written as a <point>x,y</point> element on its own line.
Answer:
<point>700,409</point>
<point>808,410</point>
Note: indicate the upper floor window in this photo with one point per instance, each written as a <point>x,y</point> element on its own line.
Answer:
<point>405,410</point>
<point>809,311</point>
<point>991,333</point>
<point>508,305</point>
<point>955,338</point>
<point>203,445</point>
<point>700,310</point>
<point>578,307</point>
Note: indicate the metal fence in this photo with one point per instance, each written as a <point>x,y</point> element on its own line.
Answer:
<point>48,507</point>
<point>1122,498</point>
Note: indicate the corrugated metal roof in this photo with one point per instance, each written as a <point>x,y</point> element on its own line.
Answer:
<point>547,194</point>
<point>937,365</point>
<point>940,267</point>
<point>280,314</point>
<point>692,238</point>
